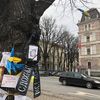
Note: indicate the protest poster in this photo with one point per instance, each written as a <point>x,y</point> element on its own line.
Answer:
<point>9,81</point>
<point>33,51</point>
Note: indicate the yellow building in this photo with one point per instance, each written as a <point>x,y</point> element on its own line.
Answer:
<point>55,57</point>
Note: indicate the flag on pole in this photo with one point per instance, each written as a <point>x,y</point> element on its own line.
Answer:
<point>84,12</point>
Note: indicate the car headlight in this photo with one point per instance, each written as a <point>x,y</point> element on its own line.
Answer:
<point>97,81</point>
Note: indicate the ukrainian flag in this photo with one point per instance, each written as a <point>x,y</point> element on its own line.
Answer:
<point>13,63</point>
<point>85,13</point>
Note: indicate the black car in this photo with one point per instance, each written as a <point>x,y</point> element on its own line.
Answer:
<point>56,73</point>
<point>45,73</point>
<point>78,79</point>
<point>42,73</point>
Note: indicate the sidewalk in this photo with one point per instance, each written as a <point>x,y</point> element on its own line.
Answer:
<point>96,77</point>
<point>46,95</point>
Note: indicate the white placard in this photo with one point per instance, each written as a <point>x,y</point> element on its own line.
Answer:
<point>3,97</point>
<point>9,81</point>
<point>3,94</point>
<point>5,56</point>
<point>33,51</point>
<point>21,97</point>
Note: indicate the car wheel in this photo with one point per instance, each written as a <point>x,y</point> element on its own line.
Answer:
<point>89,85</point>
<point>64,82</point>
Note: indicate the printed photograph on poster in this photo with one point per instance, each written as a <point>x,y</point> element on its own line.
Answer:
<point>33,51</point>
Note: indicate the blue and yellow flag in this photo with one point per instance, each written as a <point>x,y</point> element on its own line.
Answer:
<point>85,13</point>
<point>13,63</point>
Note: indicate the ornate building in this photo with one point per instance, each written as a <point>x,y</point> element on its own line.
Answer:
<point>89,35</point>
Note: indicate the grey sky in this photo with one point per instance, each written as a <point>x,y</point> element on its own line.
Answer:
<point>65,16</point>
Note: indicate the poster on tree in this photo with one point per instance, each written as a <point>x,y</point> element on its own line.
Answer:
<point>33,51</point>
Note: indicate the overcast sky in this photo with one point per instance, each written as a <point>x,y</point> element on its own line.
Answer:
<point>65,16</point>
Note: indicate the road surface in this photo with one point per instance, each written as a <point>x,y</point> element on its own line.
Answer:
<point>52,86</point>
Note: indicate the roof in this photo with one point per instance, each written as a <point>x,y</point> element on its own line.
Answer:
<point>94,14</point>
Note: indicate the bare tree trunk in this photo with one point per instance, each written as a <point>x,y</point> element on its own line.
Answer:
<point>54,59</point>
<point>65,60</point>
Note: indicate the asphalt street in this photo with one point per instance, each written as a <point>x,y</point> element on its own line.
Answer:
<point>52,86</point>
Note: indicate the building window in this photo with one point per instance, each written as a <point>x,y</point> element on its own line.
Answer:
<point>87,18</point>
<point>88,38</point>
<point>93,49</point>
<point>92,37</point>
<point>88,51</point>
<point>83,38</point>
<point>89,26</point>
<point>97,16</point>
<point>89,65</point>
<point>85,27</point>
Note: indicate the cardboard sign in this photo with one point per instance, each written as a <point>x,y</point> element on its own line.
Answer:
<point>33,51</point>
<point>9,81</point>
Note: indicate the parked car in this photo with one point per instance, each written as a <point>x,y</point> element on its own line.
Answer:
<point>50,73</point>
<point>42,73</point>
<point>56,73</point>
<point>45,73</point>
<point>78,79</point>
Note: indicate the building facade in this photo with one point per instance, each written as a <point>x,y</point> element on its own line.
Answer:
<point>89,37</point>
<point>55,59</point>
